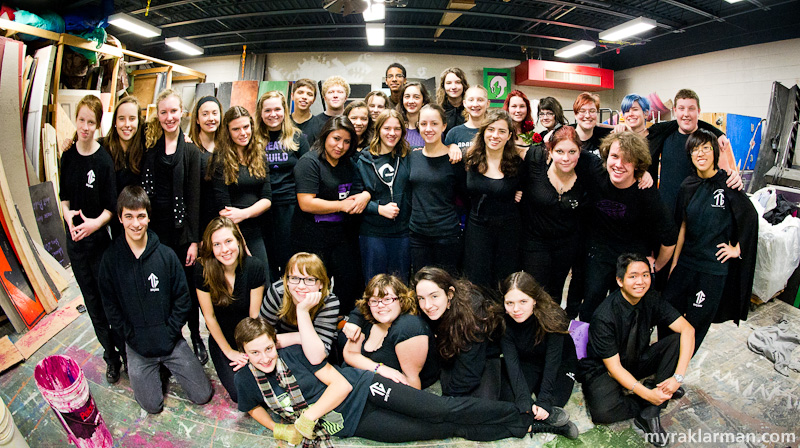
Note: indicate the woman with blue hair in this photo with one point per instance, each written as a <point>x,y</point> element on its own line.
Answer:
<point>635,109</point>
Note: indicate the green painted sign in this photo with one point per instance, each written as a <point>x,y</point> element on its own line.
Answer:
<point>498,83</point>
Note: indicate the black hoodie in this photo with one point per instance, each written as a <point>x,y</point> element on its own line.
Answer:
<point>146,299</point>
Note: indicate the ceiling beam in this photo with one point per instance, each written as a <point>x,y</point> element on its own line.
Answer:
<point>164,6</point>
<point>693,9</point>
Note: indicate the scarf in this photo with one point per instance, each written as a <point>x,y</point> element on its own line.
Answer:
<point>178,175</point>
<point>288,382</point>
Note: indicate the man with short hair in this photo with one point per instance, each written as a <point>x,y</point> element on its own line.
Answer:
<point>619,353</point>
<point>335,91</point>
<point>146,298</point>
<point>395,79</point>
<point>304,93</point>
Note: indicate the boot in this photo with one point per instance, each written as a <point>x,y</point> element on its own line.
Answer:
<point>200,351</point>
<point>569,430</point>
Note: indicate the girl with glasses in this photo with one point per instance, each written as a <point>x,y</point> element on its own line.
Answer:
<point>587,109</point>
<point>303,299</point>
<point>550,115</point>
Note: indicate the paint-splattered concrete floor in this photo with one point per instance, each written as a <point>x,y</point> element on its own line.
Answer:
<point>730,390</point>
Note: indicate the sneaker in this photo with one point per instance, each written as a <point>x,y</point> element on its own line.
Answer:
<point>557,417</point>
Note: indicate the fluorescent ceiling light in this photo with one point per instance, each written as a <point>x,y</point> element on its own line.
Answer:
<point>733,1</point>
<point>376,34</point>
<point>628,29</point>
<point>183,46</point>
<point>134,25</point>
<point>575,48</point>
<point>375,11</point>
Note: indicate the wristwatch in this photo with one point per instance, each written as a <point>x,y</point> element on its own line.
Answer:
<point>678,377</point>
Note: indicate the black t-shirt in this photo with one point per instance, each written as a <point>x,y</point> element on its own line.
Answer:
<point>434,185</point>
<point>341,422</point>
<point>629,219</point>
<point>281,166</point>
<point>548,215</point>
<point>251,274</point>
<point>611,326</point>
<point>246,191</point>
<point>88,183</point>
<point>709,222</point>
<point>675,166</point>
<point>313,126</point>
<point>164,177</point>
<point>462,136</point>
<point>492,198</point>
<point>593,144</point>
<point>208,206</point>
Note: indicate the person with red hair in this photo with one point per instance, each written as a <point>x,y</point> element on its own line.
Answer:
<point>587,108</point>
<point>518,107</point>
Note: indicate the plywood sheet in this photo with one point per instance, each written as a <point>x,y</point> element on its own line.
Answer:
<point>37,105</point>
<point>65,128</point>
<point>50,155</point>
<point>144,89</point>
<point>245,94</point>
<point>56,321</point>
<point>9,354</point>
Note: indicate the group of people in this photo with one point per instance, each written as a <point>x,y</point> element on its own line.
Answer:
<point>341,238</point>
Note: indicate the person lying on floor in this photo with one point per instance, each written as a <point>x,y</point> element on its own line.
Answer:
<point>320,401</point>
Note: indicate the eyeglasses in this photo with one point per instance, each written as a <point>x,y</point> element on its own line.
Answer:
<point>702,150</point>
<point>388,300</point>
<point>546,114</point>
<point>395,77</point>
<point>308,281</point>
<point>587,112</point>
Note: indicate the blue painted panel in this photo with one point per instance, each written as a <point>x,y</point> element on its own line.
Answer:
<point>740,130</point>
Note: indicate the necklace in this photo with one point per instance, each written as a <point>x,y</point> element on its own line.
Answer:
<point>561,186</point>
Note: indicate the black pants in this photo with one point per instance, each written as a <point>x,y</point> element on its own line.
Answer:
<point>169,236</point>
<point>599,278</point>
<point>562,389</point>
<point>278,237</point>
<point>85,256</point>
<point>253,234</point>
<point>697,296</point>
<point>549,262</point>
<point>398,413</point>
<point>491,249</point>
<point>224,370</point>
<point>441,251</point>
<point>605,397</point>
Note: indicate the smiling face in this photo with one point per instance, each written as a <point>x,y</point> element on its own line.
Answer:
<point>431,125</point>
<point>298,291</point>
<point>475,101</point>
<point>587,117</point>
<point>225,247</point>
<point>518,305</point>
<point>703,160</point>
<point>127,121</point>
<point>517,109</point>
<point>86,124</point>
<point>635,117</point>
<point>433,300</point>
<point>412,99</point>
<point>395,79</point>
<point>208,117</point>
<point>636,281</point>
<point>135,224</point>
<point>335,97</point>
<point>169,114</point>
<point>390,133</point>
<point>359,116</point>
<point>686,112</point>
<point>620,170</point>
<point>262,353</point>
<point>303,98</point>
<point>547,118</point>
<point>240,131</point>
<point>453,86</point>
<point>272,113</point>
<point>565,155</point>
<point>385,314</point>
<point>336,145</point>
<point>376,105</point>
<point>496,135</point>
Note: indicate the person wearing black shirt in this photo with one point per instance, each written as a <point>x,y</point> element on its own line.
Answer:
<point>395,80</point>
<point>519,108</point>
<point>304,94</point>
<point>87,188</point>
<point>171,178</point>
<point>358,114</point>
<point>619,352</point>
<point>284,144</point>
<point>450,95</point>
<point>623,217</point>
<point>377,102</point>
<point>230,286</point>
<point>435,231</point>
<point>554,199</point>
<point>335,91</point>
<point>493,178</point>
<point>125,144</point>
<point>205,120</point>
<point>586,108</point>
<point>716,243</point>
<point>329,191</point>
<point>538,352</point>
<point>550,115</point>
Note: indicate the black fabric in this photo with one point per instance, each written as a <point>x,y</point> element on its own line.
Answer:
<point>592,145</point>
<point>88,183</point>
<point>145,298</point>
<point>697,296</point>
<point>435,183</point>
<point>281,166</point>
<point>444,252</point>
<point>783,208</point>
<point>244,192</point>
<point>739,284</point>
<point>312,128</point>
<point>455,117</point>
<point>611,326</point>
<point>249,276</point>
<point>545,368</point>
<point>341,422</point>
<point>208,206</point>
<point>550,261</point>
<point>461,135</point>
<point>709,222</point>
<point>222,366</point>
<point>378,173</point>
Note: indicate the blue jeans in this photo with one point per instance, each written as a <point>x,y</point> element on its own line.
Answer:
<point>385,255</point>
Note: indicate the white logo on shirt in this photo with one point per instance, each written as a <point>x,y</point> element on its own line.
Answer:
<point>153,282</point>
<point>90,179</point>
<point>378,389</point>
<point>386,168</point>
<point>700,297</point>
<point>719,198</point>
